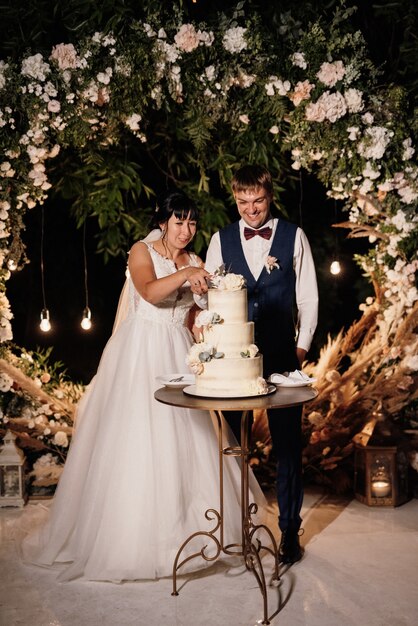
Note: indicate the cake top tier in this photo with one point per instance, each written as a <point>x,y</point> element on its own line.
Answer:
<point>226,281</point>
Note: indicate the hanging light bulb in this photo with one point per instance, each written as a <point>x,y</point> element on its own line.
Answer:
<point>12,265</point>
<point>45,324</point>
<point>335,268</point>
<point>86,321</point>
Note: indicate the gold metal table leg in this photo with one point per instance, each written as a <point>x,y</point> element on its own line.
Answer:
<point>251,546</point>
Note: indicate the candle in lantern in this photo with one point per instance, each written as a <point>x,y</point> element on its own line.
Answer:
<point>380,488</point>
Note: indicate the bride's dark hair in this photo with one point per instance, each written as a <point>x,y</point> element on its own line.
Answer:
<point>173,203</point>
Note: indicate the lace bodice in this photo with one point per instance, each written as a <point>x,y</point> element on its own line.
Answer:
<point>172,310</point>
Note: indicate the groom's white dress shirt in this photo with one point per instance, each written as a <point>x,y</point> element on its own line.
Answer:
<point>256,250</point>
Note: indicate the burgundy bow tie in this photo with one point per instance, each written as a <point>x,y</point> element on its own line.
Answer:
<point>263,232</point>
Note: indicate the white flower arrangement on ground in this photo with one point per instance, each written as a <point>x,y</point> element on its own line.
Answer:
<point>38,403</point>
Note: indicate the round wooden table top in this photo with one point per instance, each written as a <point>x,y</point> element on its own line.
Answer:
<point>282,397</point>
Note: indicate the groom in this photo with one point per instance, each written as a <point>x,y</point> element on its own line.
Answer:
<point>275,258</point>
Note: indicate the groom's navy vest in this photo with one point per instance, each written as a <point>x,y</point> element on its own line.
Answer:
<point>270,298</point>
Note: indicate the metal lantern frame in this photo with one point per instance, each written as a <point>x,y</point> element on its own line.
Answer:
<point>12,477</point>
<point>380,475</point>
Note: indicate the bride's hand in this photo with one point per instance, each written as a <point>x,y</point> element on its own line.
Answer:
<point>197,280</point>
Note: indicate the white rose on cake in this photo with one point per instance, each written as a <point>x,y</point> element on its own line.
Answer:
<point>250,351</point>
<point>262,386</point>
<point>207,318</point>
<point>201,353</point>
<point>229,282</point>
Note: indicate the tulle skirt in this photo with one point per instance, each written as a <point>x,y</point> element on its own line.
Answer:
<point>139,475</point>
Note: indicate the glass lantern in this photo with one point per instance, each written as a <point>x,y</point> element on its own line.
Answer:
<point>12,479</point>
<point>380,475</point>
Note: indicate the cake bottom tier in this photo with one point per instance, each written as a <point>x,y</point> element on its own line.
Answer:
<point>229,376</point>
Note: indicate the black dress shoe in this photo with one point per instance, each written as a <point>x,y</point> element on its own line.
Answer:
<point>290,550</point>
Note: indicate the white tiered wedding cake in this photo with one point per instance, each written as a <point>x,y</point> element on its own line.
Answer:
<point>226,361</point>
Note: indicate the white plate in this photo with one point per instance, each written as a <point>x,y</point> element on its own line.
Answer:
<point>292,382</point>
<point>170,380</point>
<point>296,383</point>
<point>191,391</point>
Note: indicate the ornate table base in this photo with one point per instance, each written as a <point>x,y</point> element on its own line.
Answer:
<point>250,546</point>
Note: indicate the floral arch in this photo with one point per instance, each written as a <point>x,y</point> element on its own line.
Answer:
<point>220,94</point>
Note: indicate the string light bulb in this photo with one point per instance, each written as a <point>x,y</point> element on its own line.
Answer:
<point>335,268</point>
<point>45,324</point>
<point>86,321</point>
<point>12,265</point>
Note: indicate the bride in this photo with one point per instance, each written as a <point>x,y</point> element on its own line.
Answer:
<point>140,475</point>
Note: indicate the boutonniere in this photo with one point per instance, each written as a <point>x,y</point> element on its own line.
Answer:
<point>271,263</point>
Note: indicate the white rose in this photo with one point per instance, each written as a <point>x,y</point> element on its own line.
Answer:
<point>232,282</point>
<point>204,318</point>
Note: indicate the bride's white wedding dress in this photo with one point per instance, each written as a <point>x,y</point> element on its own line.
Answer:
<point>139,475</point>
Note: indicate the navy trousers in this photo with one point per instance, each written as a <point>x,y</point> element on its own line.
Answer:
<point>286,434</point>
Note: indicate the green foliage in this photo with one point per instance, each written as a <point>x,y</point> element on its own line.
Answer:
<point>106,186</point>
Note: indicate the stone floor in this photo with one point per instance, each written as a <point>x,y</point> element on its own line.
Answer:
<point>360,568</point>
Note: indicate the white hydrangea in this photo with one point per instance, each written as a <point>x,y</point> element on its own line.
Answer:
<point>374,142</point>
<point>409,151</point>
<point>170,52</point>
<point>133,120</point>
<point>408,194</point>
<point>298,59</point>
<point>206,38</point>
<point>187,38</point>
<point>330,73</point>
<point>234,39</point>
<point>104,77</point>
<point>370,172</point>
<point>275,84</point>
<point>354,100</point>
<point>65,55</point>
<point>3,68</point>
<point>5,317</point>
<point>330,106</point>
<point>35,67</point>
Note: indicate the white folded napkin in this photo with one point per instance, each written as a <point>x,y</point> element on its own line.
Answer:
<point>291,378</point>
